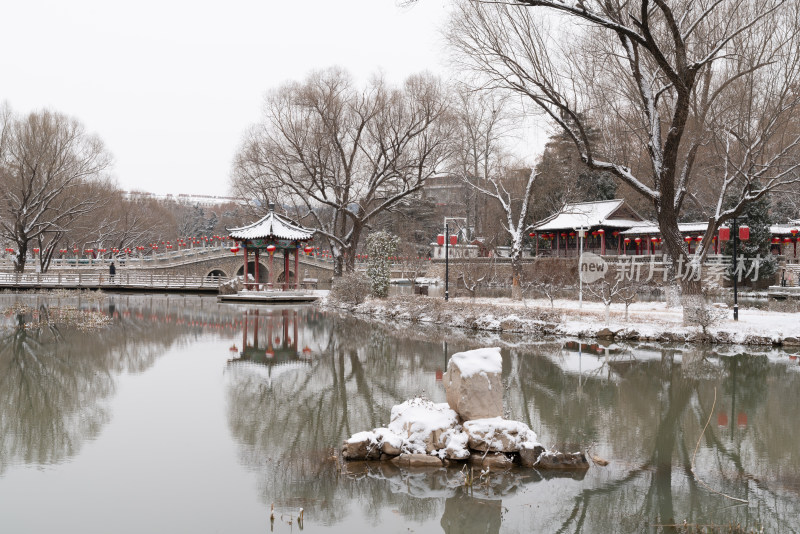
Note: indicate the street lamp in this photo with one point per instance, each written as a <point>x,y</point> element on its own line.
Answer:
<point>581,233</point>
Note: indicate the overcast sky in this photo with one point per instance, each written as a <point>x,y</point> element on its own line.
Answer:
<point>171,85</point>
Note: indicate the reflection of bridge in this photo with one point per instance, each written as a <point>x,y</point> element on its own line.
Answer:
<point>201,268</point>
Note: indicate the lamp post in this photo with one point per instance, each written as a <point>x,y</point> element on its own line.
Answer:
<point>581,233</point>
<point>735,287</point>
<point>446,261</point>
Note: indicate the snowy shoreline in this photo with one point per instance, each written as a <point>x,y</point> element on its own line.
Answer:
<point>647,321</point>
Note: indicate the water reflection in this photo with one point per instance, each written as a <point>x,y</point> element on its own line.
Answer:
<point>297,381</point>
<point>642,407</point>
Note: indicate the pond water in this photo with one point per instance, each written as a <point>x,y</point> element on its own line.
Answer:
<point>185,415</point>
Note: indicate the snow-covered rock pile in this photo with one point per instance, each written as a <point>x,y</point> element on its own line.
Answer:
<point>468,427</point>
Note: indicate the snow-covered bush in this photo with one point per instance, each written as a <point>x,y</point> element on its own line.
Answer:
<point>380,246</point>
<point>698,313</point>
<point>350,288</point>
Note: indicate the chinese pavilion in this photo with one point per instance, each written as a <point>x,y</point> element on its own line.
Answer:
<point>272,234</point>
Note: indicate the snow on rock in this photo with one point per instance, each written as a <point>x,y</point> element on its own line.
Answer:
<point>422,424</point>
<point>499,435</point>
<point>473,385</point>
<point>470,362</point>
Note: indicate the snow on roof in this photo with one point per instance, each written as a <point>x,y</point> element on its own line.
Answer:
<point>470,362</point>
<point>273,225</point>
<point>775,229</point>
<point>588,215</point>
<point>652,228</point>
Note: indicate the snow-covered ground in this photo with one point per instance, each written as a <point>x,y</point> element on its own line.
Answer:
<point>646,321</point>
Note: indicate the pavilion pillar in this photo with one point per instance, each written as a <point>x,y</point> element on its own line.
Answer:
<point>296,268</point>
<point>618,244</point>
<point>255,329</point>
<point>536,245</point>
<point>246,285</point>
<point>271,272</point>
<point>603,244</point>
<point>294,329</point>
<point>558,244</point>
<point>256,256</point>
<point>244,333</point>
<point>285,270</point>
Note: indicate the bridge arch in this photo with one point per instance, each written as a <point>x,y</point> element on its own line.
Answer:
<point>217,273</point>
<point>263,272</point>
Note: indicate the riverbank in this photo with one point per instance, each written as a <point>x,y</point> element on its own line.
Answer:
<point>646,321</point>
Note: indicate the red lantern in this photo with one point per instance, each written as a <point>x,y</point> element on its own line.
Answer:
<point>601,231</point>
<point>724,234</point>
<point>688,239</point>
<point>453,240</point>
<point>698,238</point>
<point>627,240</point>
<point>638,240</point>
<point>615,233</point>
<point>793,231</point>
<point>531,234</point>
<point>654,239</point>
<point>776,240</point>
<point>308,250</point>
<point>271,248</point>
<point>235,249</point>
<point>785,240</point>
<point>744,233</point>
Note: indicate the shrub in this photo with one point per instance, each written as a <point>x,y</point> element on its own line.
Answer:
<point>350,288</point>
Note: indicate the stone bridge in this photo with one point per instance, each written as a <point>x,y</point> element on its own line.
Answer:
<point>211,261</point>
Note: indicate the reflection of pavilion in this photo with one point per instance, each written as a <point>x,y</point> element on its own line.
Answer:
<point>271,337</point>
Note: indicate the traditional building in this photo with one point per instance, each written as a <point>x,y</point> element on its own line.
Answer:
<point>272,234</point>
<point>603,220</point>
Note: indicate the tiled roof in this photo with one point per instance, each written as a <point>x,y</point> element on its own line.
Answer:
<point>274,226</point>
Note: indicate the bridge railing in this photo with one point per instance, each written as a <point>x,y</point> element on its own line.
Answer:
<point>102,280</point>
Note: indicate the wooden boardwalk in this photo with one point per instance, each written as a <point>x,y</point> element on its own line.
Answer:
<point>120,282</point>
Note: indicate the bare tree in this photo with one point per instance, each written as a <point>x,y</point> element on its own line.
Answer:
<point>514,197</point>
<point>474,272</point>
<point>550,278</point>
<point>342,155</point>
<point>46,159</point>
<point>670,85</point>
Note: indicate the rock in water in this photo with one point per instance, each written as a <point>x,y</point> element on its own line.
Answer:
<point>361,446</point>
<point>417,460</point>
<point>473,385</point>
<point>529,453</point>
<point>423,425</point>
<point>561,460</point>
<point>498,434</point>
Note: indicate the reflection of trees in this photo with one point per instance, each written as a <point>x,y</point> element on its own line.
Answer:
<point>644,411</point>
<point>648,423</point>
<point>50,393</point>
<point>55,381</point>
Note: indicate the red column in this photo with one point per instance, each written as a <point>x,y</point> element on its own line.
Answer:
<point>244,332</point>
<point>297,268</point>
<point>603,244</point>
<point>271,272</point>
<point>558,244</point>
<point>256,256</point>
<point>255,329</point>
<point>285,270</point>
<point>246,285</point>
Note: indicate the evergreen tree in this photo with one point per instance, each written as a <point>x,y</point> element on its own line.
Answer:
<point>757,218</point>
<point>380,246</point>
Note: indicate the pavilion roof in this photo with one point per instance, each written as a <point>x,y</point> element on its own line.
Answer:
<point>272,226</point>
<point>609,213</point>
